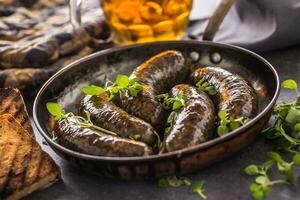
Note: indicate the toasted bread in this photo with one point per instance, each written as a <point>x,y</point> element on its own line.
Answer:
<point>11,101</point>
<point>24,166</point>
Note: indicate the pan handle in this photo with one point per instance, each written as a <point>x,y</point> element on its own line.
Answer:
<point>216,19</point>
<point>75,13</point>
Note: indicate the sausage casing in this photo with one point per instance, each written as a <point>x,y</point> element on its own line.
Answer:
<point>93,142</point>
<point>106,114</point>
<point>234,93</point>
<point>194,123</point>
<point>157,75</point>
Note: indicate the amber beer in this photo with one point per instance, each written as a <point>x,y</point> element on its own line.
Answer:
<point>137,21</point>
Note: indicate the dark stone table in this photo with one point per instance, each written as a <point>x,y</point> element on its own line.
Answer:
<point>224,180</point>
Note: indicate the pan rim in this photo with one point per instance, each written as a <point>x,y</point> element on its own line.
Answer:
<point>178,153</point>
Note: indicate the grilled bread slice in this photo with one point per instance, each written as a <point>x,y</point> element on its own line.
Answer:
<point>11,101</point>
<point>24,166</point>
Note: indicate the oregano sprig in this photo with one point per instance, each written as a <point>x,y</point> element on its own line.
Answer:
<point>198,189</point>
<point>173,181</point>
<point>285,135</point>
<point>58,113</point>
<point>122,85</point>
<point>204,86</point>
<point>228,124</point>
<point>171,103</point>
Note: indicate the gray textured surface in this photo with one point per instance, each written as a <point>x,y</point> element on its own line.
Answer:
<point>223,180</point>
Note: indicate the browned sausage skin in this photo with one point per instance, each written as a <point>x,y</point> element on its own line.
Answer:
<point>106,114</point>
<point>235,94</point>
<point>157,75</point>
<point>194,123</point>
<point>93,142</point>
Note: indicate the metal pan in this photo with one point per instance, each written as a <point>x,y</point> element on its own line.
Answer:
<point>65,88</point>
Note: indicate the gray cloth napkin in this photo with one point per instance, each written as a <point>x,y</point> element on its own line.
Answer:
<point>259,25</point>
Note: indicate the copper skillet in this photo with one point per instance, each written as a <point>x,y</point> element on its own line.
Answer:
<point>65,87</point>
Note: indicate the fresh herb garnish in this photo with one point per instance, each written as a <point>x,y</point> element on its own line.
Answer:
<point>173,181</point>
<point>290,84</point>
<point>285,130</point>
<point>136,137</point>
<point>204,86</point>
<point>58,113</point>
<point>198,189</point>
<point>93,90</point>
<point>228,124</point>
<point>121,86</point>
<point>55,110</point>
<point>171,103</point>
<point>261,187</point>
<point>284,133</point>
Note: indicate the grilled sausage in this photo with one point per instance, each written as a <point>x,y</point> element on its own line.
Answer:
<point>235,94</point>
<point>194,122</point>
<point>158,75</point>
<point>93,142</point>
<point>106,114</point>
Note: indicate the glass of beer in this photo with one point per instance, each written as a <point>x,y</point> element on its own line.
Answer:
<point>138,21</point>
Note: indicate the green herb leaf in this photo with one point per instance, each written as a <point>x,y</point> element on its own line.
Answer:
<point>133,80</point>
<point>296,159</point>
<point>252,170</point>
<point>173,181</point>
<point>234,125</point>
<point>274,156</point>
<point>93,90</point>
<point>198,189</point>
<point>222,114</point>
<point>297,127</point>
<point>222,130</point>
<point>298,101</point>
<point>204,86</point>
<point>293,116</point>
<point>262,180</point>
<point>133,91</point>
<point>211,90</point>
<point>257,192</point>
<point>177,105</point>
<point>266,165</point>
<point>199,83</point>
<point>137,137</point>
<point>55,110</point>
<point>289,175</point>
<point>122,81</point>
<point>289,84</point>
<point>170,102</point>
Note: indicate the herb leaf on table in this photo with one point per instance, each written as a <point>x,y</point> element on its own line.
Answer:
<point>284,134</point>
<point>173,181</point>
<point>198,189</point>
